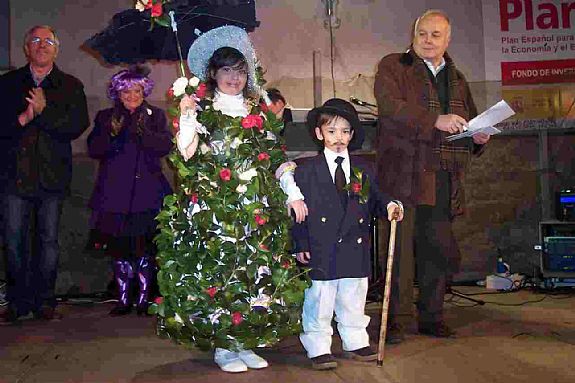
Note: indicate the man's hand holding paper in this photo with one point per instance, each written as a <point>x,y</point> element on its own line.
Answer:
<point>484,123</point>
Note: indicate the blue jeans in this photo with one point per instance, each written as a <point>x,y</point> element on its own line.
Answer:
<point>31,272</point>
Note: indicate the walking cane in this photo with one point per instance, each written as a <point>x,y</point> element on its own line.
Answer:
<point>386,293</point>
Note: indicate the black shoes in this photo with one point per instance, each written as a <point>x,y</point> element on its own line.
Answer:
<point>364,354</point>
<point>9,317</point>
<point>47,313</point>
<point>436,329</point>
<point>120,311</point>
<point>323,362</point>
<point>395,334</point>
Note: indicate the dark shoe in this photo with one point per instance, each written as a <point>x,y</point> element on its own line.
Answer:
<point>142,310</point>
<point>47,313</point>
<point>323,362</point>
<point>394,334</point>
<point>364,354</point>
<point>119,311</point>
<point>436,329</point>
<point>9,317</point>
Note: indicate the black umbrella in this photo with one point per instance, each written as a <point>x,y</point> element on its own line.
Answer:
<point>132,36</point>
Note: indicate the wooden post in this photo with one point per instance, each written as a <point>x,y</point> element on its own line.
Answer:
<point>317,98</point>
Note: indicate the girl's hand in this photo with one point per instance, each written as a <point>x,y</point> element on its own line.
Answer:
<point>303,257</point>
<point>187,104</point>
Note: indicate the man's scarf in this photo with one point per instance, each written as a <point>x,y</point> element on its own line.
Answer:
<point>452,157</point>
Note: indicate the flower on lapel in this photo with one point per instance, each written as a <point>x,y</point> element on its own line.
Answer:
<point>358,186</point>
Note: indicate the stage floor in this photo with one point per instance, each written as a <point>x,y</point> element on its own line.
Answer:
<point>512,341</point>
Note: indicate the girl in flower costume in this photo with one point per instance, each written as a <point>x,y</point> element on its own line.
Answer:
<point>227,279</point>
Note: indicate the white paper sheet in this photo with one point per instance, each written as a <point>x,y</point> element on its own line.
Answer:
<point>485,121</point>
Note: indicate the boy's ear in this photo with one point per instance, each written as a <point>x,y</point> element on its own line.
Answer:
<point>318,134</point>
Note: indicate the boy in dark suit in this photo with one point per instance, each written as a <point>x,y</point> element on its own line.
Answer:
<point>341,196</point>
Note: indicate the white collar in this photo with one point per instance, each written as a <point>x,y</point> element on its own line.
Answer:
<point>433,69</point>
<point>232,105</point>
<point>330,155</point>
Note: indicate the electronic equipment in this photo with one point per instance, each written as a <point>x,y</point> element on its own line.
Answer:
<point>565,204</point>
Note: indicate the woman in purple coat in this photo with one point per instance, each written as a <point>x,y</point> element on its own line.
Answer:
<point>129,140</point>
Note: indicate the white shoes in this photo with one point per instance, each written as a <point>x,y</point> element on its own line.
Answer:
<point>230,361</point>
<point>252,360</point>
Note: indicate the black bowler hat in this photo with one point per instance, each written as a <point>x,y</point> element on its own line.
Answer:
<point>342,108</point>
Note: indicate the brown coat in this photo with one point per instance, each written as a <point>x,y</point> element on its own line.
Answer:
<point>406,131</point>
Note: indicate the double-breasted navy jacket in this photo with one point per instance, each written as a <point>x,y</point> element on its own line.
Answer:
<point>338,240</point>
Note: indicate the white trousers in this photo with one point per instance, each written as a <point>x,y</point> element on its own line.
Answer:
<point>346,297</point>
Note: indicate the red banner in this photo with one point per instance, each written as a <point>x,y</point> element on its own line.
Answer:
<point>537,72</point>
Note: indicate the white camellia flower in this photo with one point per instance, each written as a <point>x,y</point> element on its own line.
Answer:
<point>248,174</point>
<point>179,86</point>
<point>205,148</point>
<point>235,143</point>
<point>178,318</point>
<point>242,188</point>
<point>194,81</point>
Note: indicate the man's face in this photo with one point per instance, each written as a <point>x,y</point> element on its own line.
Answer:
<point>41,48</point>
<point>336,134</point>
<point>431,38</point>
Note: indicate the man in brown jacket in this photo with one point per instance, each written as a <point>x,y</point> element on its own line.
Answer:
<point>422,98</point>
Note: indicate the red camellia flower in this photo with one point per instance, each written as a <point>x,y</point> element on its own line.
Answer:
<point>260,220</point>
<point>157,9</point>
<point>252,121</point>
<point>212,291</point>
<point>176,122</point>
<point>149,4</point>
<point>170,93</point>
<point>263,156</point>
<point>264,107</point>
<point>225,174</point>
<point>264,247</point>
<point>286,264</point>
<point>201,90</point>
<point>237,318</point>
<point>159,300</point>
<point>356,187</point>
<point>283,148</point>
<point>194,198</point>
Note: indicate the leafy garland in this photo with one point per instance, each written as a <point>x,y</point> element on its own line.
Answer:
<point>225,272</point>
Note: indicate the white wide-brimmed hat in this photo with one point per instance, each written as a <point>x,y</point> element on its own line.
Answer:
<point>207,43</point>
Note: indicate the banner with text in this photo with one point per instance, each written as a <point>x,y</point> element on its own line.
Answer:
<point>529,41</point>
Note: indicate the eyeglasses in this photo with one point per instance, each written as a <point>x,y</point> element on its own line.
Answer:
<point>47,40</point>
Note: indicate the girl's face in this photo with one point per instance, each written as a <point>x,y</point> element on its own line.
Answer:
<point>132,97</point>
<point>231,80</point>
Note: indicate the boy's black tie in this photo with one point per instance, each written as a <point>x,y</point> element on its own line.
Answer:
<point>340,181</point>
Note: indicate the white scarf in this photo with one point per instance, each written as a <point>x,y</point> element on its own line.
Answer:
<point>231,105</point>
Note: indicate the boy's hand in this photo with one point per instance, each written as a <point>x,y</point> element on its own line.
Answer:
<point>303,257</point>
<point>299,208</point>
<point>394,211</point>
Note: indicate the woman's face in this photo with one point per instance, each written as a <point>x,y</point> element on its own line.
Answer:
<point>132,97</point>
<point>231,79</point>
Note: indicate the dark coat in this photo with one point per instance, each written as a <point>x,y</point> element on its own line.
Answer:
<point>338,240</point>
<point>40,154</point>
<point>406,129</point>
<point>130,178</point>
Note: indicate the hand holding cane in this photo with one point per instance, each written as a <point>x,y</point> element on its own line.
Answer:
<point>386,294</point>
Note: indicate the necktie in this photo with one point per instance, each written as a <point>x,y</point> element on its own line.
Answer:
<point>340,182</point>
<point>339,175</point>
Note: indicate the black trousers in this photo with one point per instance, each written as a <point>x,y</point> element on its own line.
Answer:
<point>426,236</point>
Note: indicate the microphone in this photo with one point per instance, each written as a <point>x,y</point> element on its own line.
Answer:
<point>359,102</point>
